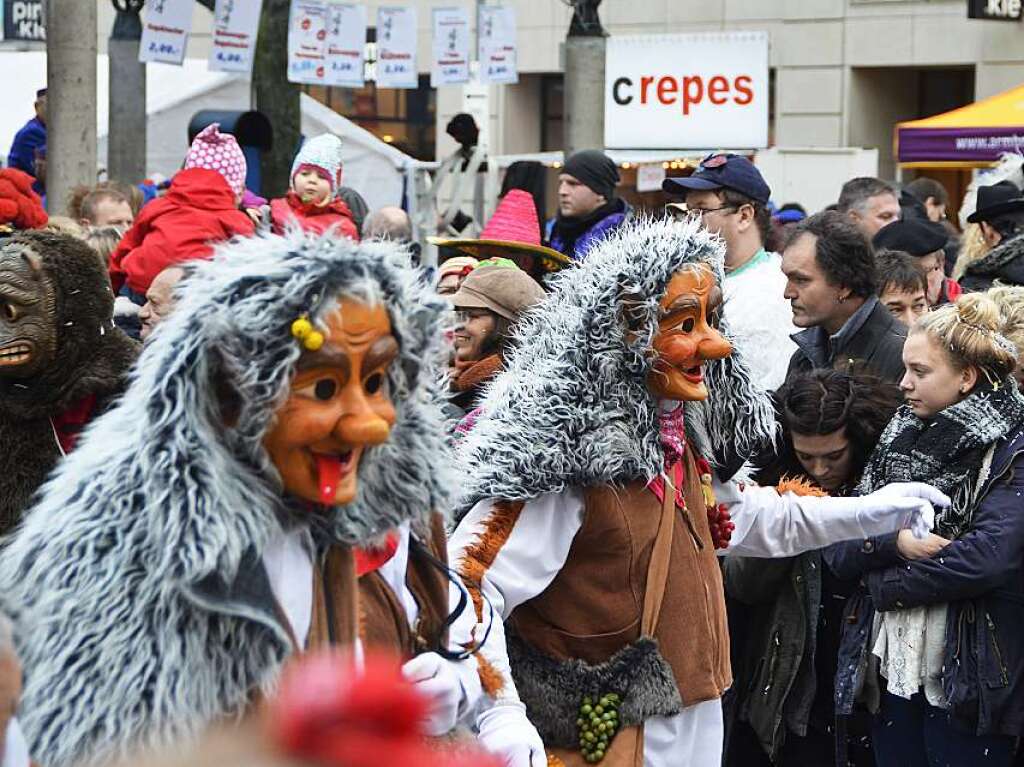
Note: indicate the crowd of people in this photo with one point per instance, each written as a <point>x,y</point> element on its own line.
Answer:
<point>724,483</point>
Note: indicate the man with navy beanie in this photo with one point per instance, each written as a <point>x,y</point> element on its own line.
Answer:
<point>587,206</point>
<point>730,197</point>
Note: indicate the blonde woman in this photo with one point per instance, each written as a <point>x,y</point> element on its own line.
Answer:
<point>1010,299</point>
<point>947,639</point>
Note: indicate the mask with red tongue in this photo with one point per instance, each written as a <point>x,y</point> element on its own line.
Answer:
<point>339,404</point>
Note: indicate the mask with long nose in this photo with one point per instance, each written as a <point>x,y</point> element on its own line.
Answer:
<point>339,405</point>
<point>686,339</point>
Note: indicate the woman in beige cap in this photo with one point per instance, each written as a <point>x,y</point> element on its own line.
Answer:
<point>489,302</point>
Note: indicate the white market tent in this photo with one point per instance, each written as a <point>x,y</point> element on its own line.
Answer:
<point>174,94</point>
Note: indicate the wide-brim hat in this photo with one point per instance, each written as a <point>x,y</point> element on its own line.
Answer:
<point>513,229</point>
<point>995,200</point>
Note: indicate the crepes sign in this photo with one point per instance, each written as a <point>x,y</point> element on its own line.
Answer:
<point>701,91</point>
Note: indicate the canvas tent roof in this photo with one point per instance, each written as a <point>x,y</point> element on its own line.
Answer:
<point>971,136</point>
<point>174,94</point>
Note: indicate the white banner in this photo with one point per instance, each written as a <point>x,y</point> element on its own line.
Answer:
<point>497,44</point>
<point>700,91</point>
<point>451,47</point>
<point>165,31</point>
<point>235,26</point>
<point>346,45</point>
<point>307,30</point>
<point>396,47</point>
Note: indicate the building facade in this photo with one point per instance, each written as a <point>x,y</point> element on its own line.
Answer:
<point>843,72</point>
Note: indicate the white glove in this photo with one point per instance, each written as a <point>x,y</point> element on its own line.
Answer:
<point>506,732</point>
<point>435,678</point>
<point>903,505</point>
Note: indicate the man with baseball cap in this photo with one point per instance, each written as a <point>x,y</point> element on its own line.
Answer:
<point>489,302</point>
<point>587,206</point>
<point>730,197</point>
<point>1000,214</point>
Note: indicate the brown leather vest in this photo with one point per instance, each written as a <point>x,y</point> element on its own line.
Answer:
<point>593,607</point>
<point>383,622</point>
<point>333,623</point>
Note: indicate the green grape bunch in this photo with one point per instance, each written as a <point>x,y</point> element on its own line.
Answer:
<point>597,724</point>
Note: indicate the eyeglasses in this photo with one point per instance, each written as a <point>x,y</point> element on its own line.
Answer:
<point>681,213</point>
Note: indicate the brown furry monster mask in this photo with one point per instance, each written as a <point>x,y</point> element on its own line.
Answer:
<point>61,358</point>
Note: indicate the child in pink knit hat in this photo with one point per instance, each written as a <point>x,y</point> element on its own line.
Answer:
<point>198,211</point>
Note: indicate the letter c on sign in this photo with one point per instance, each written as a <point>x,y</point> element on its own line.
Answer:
<point>623,100</point>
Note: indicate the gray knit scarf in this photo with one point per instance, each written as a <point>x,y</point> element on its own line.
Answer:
<point>947,450</point>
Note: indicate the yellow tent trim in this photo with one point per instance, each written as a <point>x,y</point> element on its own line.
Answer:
<point>1004,110</point>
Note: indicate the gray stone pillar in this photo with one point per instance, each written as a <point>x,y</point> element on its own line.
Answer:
<point>71,99</point>
<point>584,93</point>
<point>126,121</point>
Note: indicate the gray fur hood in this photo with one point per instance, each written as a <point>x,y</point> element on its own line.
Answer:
<point>572,407</point>
<point>159,497</point>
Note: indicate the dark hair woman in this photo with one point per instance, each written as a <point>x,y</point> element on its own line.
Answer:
<point>936,645</point>
<point>784,666</point>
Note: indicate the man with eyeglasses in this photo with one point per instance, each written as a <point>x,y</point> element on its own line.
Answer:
<point>731,197</point>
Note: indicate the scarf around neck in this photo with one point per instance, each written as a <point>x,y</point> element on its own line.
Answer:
<point>947,451</point>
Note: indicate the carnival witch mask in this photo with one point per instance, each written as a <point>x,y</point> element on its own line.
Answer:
<point>686,338</point>
<point>339,403</point>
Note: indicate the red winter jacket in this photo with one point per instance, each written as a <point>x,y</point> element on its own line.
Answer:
<point>196,213</point>
<point>311,217</point>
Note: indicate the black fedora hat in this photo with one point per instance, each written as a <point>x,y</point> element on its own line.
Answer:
<point>995,200</point>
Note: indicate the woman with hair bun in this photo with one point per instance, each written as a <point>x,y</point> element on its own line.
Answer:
<point>936,646</point>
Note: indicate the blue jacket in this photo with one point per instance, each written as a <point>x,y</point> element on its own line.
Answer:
<point>980,575</point>
<point>31,137</point>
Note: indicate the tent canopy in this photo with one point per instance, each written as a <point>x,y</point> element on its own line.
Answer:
<point>969,137</point>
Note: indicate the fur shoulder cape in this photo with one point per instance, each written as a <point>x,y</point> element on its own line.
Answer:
<point>572,407</point>
<point>160,496</point>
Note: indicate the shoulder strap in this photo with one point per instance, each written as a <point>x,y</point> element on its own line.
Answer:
<point>657,568</point>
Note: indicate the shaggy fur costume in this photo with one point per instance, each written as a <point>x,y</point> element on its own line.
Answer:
<point>92,358</point>
<point>573,409</point>
<point>109,578</point>
<point>552,689</point>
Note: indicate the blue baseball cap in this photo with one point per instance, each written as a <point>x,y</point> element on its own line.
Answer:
<point>722,171</point>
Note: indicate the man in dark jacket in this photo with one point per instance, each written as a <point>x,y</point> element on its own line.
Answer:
<point>830,284</point>
<point>1000,213</point>
<point>587,206</point>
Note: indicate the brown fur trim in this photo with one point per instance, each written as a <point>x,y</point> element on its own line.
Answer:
<point>476,560</point>
<point>491,679</point>
<point>478,557</point>
<point>799,486</point>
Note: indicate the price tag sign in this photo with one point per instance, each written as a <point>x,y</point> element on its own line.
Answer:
<point>235,26</point>
<point>498,44</point>
<point>396,47</point>
<point>165,31</point>
<point>451,47</point>
<point>346,44</point>
<point>307,34</point>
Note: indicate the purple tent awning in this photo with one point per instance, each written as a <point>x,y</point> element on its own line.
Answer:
<point>958,144</point>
